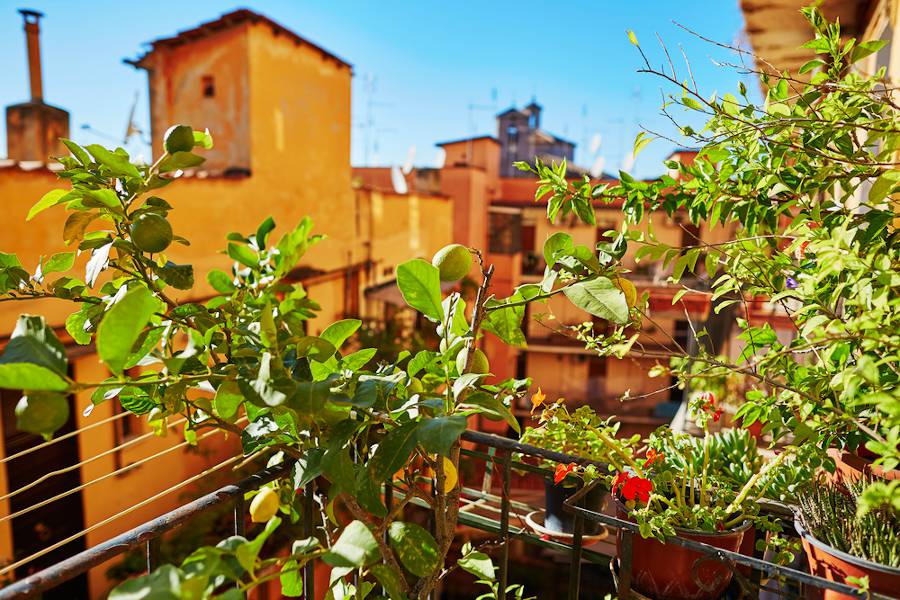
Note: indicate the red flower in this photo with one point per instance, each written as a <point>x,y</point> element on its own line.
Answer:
<point>652,457</point>
<point>637,487</point>
<point>800,252</point>
<point>562,471</point>
<point>618,480</point>
<point>717,415</point>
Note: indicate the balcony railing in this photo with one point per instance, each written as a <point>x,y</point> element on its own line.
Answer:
<point>481,509</point>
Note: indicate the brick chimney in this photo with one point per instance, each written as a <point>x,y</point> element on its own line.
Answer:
<point>33,128</point>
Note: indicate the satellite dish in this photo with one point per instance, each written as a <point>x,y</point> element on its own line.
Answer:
<point>410,159</point>
<point>399,181</point>
<point>628,162</point>
<point>597,167</point>
<point>595,143</point>
<point>440,158</point>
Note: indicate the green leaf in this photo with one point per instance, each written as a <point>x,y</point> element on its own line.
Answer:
<point>883,185</point>
<point>77,151</point>
<point>116,162</point>
<point>358,359</point>
<point>33,341</point>
<point>307,467</point>
<point>393,451</point>
<point>632,38</point>
<point>356,547</point>
<point>438,434</point>
<point>640,142</point>
<point>478,564</point>
<point>599,297</point>
<point>338,332</point>
<point>420,285</point>
<point>415,547</point>
<point>338,467</point>
<point>389,580</point>
<point>162,584</point>
<point>491,407</point>
<point>104,198</point>
<point>310,397</point>
<point>51,198</point>
<point>59,263</point>
<point>243,255</point>
<point>75,325</point>
<point>28,376</point>
<point>291,579</point>
<point>220,281</point>
<point>263,231</point>
<point>315,348</point>
<point>180,277</point>
<point>122,325</point>
<point>506,323</point>
<point>180,160</point>
<point>227,400</point>
<point>557,245</point>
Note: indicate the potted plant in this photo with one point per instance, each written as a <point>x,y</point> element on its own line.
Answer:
<point>680,489</point>
<point>580,433</point>
<point>851,533</point>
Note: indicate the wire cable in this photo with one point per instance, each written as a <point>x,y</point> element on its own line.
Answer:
<point>110,474</point>
<point>63,437</point>
<point>112,450</point>
<point>13,566</point>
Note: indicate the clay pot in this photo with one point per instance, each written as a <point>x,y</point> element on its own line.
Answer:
<point>851,466</point>
<point>834,565</point>
<point>673,572</point>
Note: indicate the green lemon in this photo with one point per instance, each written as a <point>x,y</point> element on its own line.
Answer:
<point>479,361</point>
<point>179,138</point>
<point>628,289</point>
<point>415,386</point>
<point>264,505</point>
<point>42,412</point>
<point>151,233</point>
<point>453,261</point>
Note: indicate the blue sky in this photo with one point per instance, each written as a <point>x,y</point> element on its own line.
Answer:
<point>421,64</point>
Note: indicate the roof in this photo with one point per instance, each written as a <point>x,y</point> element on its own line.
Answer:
<point>227,21</point>
<point>30,165</point>
<point>469,139</point>
<point>550,137</point>
<point>777,30</point>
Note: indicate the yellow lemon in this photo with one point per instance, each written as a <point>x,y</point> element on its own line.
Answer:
<point>451,477</point>
<point>453,261</point>
<point>264,505</point>
<point>628,289</point>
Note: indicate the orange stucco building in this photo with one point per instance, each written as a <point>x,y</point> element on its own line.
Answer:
<point>278,107</point>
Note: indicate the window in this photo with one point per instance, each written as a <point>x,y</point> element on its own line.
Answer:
<point>127,427</point>
<point>504,232</point>
<point>208,85</point>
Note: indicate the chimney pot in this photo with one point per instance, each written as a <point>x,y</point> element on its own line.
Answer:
<point>32,20</point>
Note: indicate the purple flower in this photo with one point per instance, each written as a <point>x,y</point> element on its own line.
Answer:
<point>791,283</point>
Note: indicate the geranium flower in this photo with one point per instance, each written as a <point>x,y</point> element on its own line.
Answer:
<point>619,480</point>
<point>637,487</point>
<point>652,457</point>
<point>800,252</point>
<point>537,399</point>
<point>562,471</point>
<point>716,415</point>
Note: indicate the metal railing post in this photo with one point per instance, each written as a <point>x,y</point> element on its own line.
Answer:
<point>625,564</point>
<point>309,569</point>
<point>575,568</point>
<point>239,509</point>
<point>152,554</point>
<point>504,524</point>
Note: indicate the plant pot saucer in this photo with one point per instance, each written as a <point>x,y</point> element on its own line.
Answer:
<point>535,521</point>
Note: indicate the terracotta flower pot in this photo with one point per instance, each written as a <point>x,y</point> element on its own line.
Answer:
<point>673,572</point>
<point>850,466</point>
<point>834,565</point>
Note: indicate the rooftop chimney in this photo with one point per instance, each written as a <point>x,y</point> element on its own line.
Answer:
<point>33,128</point>
<point>33,42</point>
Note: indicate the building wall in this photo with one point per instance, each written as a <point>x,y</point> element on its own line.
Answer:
<point>176,79</point>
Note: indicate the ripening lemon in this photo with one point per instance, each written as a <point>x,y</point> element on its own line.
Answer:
<point>42,413</point>
<point>450,475</point>
<point>453,261</point>
<point>264,505</point>
<point>151,233</point>
<point>479,361</point>
<point>179,138</point>
<point>628,289</point>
